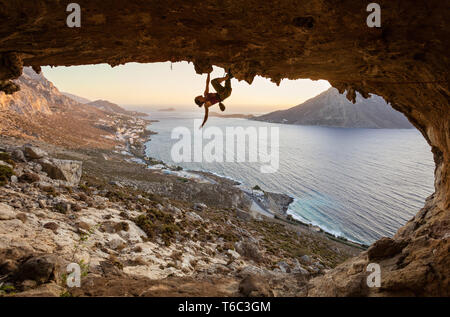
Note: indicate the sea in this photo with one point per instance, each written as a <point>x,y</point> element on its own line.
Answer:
<point>360,184</point>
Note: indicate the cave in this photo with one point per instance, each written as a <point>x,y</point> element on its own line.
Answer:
<point>405,61</point>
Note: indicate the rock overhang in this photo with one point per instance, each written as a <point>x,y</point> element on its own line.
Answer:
<point>405,60</point>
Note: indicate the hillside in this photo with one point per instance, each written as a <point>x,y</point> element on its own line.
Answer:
<point>332,109</point>
<point>231,116</point>
<point>39,111</point>
<point>107,106</point>
<point>37,95</point>
<point>76,98</point>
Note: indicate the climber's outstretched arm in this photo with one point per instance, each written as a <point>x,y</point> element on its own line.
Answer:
<point>208,79</point>
<point>206,115</point>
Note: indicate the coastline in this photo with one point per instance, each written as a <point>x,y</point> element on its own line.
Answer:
<point>285,216</point>
<point>140,224</point>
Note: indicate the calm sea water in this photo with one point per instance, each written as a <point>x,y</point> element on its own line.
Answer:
<point>361,184</point>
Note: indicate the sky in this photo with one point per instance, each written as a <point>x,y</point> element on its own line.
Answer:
<point>153,86</point>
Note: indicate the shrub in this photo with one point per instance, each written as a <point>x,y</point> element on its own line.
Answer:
<point>6,157</point>
<point>116,196</point>
<point>122,226</point>
<point>156,223</point>
<point>5,174</point>
<point>50,190</point>
<point>29,178</point>
<point>146,225</point>
<point>256,187</point>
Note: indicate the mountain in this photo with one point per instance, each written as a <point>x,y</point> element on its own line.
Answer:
<point>113,108</point>
<point>167,110</point>
<point>332,109</point>
<point>39,111</point>
<point>231,116</point>
<point>77,98</point>
<point>37,95</point>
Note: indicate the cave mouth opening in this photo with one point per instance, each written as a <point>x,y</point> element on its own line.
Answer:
<point>337,46</point>
<point>385,193</point>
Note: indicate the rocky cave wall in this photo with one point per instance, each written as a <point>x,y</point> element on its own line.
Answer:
<point>405,61</point>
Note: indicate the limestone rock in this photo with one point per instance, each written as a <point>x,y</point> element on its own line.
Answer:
<point>200,206</point>
<point>18,155</point>
<point>305,258</point>
<point>192,216</point>
<point>34,153</point>
<point>284,267</point>
<point>51,226</point>
<point>6,212</point>
<point>249,250</point>
<point>65,170</point>
<point>252,286</point>
<point>41,268</point>
<point>385,247</point>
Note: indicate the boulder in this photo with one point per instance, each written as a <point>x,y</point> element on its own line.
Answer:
<point>116,244</point>
<point>253,286</point>
<point>52,226</point>
<point>41,269</point>
<point>18,155</point>
<point>233,254</point>
<point>385,247</point>
<point>116,183</point>
<point>243,215</point>
<point>175,211</point>
<point>298,269</point>
<point>34,153</point>
<point>284,267</point>
<point>305,258</point>
<point>6,212</point>
<point>200,206</point>
<point>249,250</point>
<point>65,170</point>
<point>192,216</point>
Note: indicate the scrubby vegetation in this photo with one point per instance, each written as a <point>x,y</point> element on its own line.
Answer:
<point>5,174</point>
<point>29,177</point>
<point>158,224</point>
<point>6,157</point>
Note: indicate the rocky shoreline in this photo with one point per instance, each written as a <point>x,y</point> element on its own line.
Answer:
<point>138,231</point>
<point>261,203</point>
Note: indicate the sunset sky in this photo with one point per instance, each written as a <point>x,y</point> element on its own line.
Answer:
<point>139,86</point>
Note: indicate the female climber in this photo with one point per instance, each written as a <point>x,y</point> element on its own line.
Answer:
<point>222,92</point>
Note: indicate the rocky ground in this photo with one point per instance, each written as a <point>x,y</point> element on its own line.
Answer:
<point>140,232</point>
